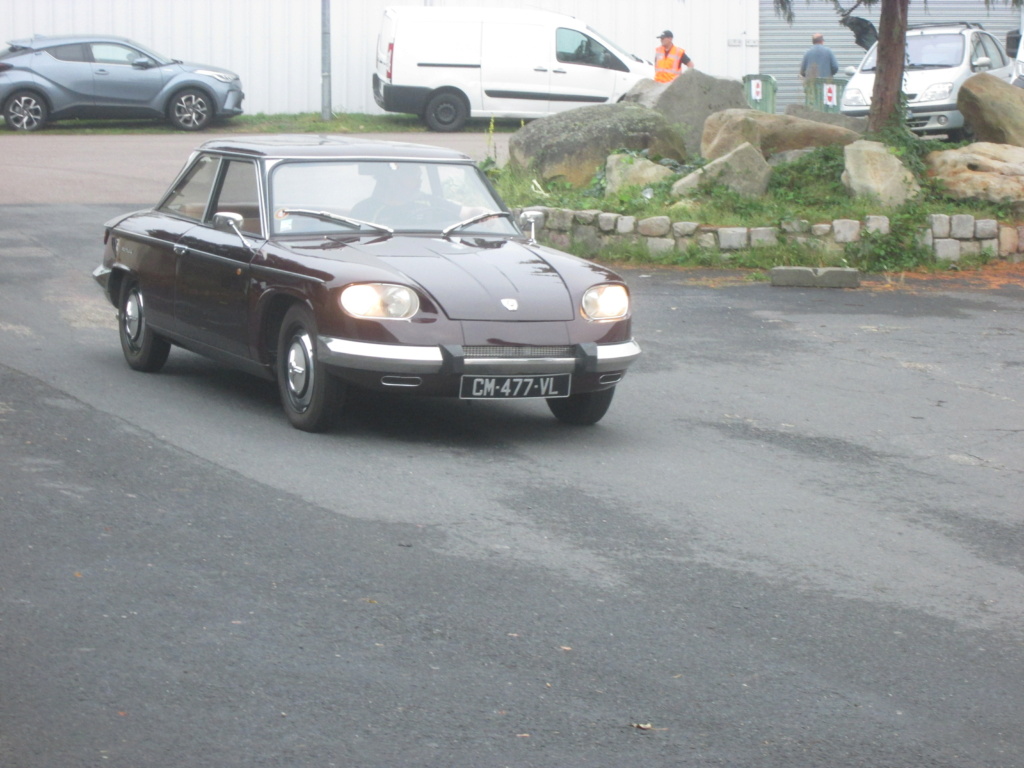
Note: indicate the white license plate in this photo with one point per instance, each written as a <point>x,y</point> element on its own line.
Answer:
<point>504,387</point>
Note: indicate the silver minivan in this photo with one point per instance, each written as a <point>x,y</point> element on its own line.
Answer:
<point>939,58</point>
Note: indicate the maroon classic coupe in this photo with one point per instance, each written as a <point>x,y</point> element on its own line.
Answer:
<point>324,262</point>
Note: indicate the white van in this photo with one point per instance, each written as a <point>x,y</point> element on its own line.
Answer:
<point>446,64</point>
<point>939,58</point>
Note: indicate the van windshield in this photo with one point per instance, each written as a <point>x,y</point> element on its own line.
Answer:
<point>925,52</point>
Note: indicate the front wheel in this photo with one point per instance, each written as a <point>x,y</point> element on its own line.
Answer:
<point>25,111</point>
<point>311,396</point>
<point>143,349</point>
<point>446,112</point>
<point>583,409</point>
<point>190,110</point>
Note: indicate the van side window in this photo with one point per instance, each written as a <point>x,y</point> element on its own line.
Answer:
<point>573,47</point>
<point>993,51</point>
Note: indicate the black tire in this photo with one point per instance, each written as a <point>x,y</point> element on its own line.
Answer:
<point>583,409</point>
<point>311,396</point>
<point>446,112</point>
<point>190,110</point>
<point>25,111</point>
<point>960,134</point>
<point>143,349</point>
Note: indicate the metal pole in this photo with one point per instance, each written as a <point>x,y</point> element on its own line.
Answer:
<point>325,60</point>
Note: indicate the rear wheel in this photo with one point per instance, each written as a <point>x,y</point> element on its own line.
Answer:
<point>446,112</point>
<point>143,349</point>
<point>25,111</point>
<point>311,396</point>
<point>190,110</point>
<point>583,409</point>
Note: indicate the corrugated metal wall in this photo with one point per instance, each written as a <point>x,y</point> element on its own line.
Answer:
<point>783,46</point>
<point>275,44</point>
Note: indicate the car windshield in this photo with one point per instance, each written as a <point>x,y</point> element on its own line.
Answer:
<point>925,52</point>
<point>342,197</point>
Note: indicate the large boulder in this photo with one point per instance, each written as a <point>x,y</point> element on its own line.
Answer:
<point>980,171</point>
<point>744,170</point>
<point>621,171</point>
<point>858,124</point>
<point>688,101</point>
<point>871,170</point>
<point>771,134</point>
<point>574,145</point>
<point>993,109</point>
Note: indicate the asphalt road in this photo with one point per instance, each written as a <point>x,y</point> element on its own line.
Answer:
<point>797,539</point>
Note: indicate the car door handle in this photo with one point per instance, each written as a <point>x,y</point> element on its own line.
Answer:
<point>559,71</point>
<point>540,69</point>
<point>181,250</point>
<point>101,72</point>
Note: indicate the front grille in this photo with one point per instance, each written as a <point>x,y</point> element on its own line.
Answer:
<point>507,351</point>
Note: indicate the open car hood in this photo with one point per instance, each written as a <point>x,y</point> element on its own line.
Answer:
<point>475,281</point>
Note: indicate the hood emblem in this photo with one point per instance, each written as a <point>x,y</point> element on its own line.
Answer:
<point>510,304</point>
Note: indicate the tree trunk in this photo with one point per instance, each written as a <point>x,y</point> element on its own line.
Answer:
<point>892,35</point>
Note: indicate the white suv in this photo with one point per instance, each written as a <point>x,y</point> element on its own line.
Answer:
<point>940,57</point>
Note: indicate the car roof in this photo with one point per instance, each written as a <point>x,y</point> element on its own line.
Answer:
<point>310,145</point>
<point>954,28</point>
<point>46,41</point>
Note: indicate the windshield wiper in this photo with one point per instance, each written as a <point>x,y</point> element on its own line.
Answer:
<point>474,219</point>
<point>335,217</point>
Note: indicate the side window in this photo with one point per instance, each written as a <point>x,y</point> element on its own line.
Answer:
<point>993,51</point>
<point>72,52</point>
<point>239,193</point>
<point>192,193</point>
<point>573,47</point>
<point>112,53</point>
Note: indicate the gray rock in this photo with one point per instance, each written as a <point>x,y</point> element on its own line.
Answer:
<point>688,101</point>
<point>858,124</point>
<point>574,145</point>
<point>623,171</point>
<point>871,170</point>
<point>980,171</point>
<point>770,134</point>
<point>743,170</point>
<point>993,109</point>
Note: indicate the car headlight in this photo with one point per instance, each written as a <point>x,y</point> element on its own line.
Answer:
<point>380,300</point>
<point>852,97</point>
<point>606,302</point>
<point>224,77</point>
<point>936,92</point>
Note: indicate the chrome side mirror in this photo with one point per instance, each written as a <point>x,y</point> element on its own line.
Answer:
<point>531,218</point>
<point>229,221</point>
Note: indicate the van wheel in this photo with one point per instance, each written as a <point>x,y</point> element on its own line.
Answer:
<point>446,112</point>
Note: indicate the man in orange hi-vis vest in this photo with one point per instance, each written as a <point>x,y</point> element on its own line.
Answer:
<point>669,59</point>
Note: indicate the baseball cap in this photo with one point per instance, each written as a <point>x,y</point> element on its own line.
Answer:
<point>666,33</point>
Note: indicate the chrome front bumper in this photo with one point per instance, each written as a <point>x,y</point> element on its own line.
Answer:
<point>451,359</point>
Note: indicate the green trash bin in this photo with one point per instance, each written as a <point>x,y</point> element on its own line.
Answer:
<point>824,94</point>
<point>760,91</point>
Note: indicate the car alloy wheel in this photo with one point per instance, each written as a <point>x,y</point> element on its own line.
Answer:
<point>25,111</point>
<point>190,110</point>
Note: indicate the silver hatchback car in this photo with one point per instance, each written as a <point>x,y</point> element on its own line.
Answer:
<point>50,78</point>
<point>939,58</point>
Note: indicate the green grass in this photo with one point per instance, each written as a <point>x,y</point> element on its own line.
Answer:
<point>260,123</point>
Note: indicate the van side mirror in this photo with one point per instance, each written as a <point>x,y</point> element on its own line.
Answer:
<point>981,64</point>
<point>850,71</point>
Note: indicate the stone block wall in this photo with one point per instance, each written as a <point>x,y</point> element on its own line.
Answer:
<point>951,237</point>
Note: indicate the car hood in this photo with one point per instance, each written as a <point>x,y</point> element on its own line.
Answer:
<point>476,280</point>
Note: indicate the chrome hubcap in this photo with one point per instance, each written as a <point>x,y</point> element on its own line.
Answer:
<point>299,368</point>
<point>133,319</point>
